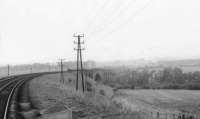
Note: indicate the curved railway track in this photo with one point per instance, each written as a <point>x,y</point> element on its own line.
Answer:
<point>8,94</point>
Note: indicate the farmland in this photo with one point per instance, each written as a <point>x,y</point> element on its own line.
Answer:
<point>161,100</point>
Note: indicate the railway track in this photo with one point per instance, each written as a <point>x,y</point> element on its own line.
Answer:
<point>9,94</point>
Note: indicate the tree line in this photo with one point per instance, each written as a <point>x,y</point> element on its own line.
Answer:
<point>167,78</point>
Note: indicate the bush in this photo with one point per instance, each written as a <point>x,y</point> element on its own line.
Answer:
<point>89,86</point>
<point>132,87</point>
<point>97,77</point>
<point>171,86</point>
<point>193,86</point>
<point>69,80</point>
<point>102,92</point>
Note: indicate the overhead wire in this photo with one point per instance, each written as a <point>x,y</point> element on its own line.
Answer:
<point>95,15</point>
<point>127,20</point>
<point>86,10</point>
<point>116,14</point>
<point>108,13</point>
<point>120,18</point>
<point>89,11</point>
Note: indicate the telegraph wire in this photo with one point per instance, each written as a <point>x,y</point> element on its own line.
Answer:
<point>95,16</point>
<point>121,25</point>
<point>117,15</point>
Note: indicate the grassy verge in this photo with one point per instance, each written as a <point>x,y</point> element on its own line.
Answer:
<point>47,92</point>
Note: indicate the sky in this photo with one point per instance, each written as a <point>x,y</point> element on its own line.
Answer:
<point>42,30</point>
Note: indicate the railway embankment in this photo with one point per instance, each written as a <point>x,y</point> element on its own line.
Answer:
<point>25,108</point>
<point>56,100</point>
<point>14,94</point>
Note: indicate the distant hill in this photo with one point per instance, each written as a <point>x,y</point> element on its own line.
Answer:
<point>125,63</point>
<point>183,62</point>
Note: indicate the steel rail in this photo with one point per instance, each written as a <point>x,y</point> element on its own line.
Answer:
<point>6,78</point>
<point>19,83</point>
<point>7,84</point>
<point>11,86</point>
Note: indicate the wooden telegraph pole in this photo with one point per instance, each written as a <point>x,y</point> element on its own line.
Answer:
<point>61,71</point>
<point>31,69</point>
<point>8,70</point>
<point>49,67</point>
<point>79,60</point>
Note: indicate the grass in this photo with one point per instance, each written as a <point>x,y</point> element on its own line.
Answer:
<point>47,91</point>
<point>164,100</point>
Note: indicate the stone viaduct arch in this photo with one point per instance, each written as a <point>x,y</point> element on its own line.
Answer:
<point>99,74</point>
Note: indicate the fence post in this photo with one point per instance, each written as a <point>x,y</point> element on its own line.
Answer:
<point>183,116</point>
<point>191,117</point>
<point>158,115</point>
<point>188,116</point>
<point>173,116</point>
<point>166,115</point>
<point>71,114</point>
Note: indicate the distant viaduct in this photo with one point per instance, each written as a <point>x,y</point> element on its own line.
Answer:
<point>97,74</point>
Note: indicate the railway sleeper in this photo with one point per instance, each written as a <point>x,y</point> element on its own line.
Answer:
<point>13,108</point>
<point>20,105</point>
<point>25,108</point>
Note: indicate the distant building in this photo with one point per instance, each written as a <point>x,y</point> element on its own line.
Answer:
<point>89,64</point>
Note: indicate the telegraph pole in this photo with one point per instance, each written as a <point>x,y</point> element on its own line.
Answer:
<point>79,60</point>
<point>8,68</point>
<point>31,70</point>
<point>61,71</point>
<point>49,68</point>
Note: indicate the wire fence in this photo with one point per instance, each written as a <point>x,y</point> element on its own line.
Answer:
<point>171,115</point>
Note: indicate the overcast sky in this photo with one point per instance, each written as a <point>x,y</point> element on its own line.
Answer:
<point>42,30</point>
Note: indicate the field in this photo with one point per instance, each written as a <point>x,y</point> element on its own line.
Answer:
<point>52,98</point>
<point>161,100</point>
